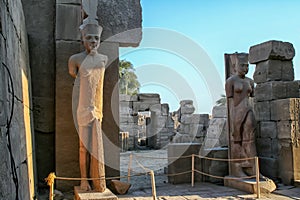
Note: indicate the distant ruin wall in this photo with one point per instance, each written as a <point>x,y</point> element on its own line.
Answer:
<point>17,168</point>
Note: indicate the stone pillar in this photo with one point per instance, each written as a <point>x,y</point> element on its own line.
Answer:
<point>277,110</point>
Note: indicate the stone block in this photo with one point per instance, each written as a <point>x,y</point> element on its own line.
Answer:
<point>148,96</point>
<point>292,89</point>
<point>156,108</point>
<point>270,90</point>
<point>287,129</point>
<point>165,109</point>
<point>68,20</point>
<point>288,164</point>
<point>267,129</point>
<point>267,147</point>
<point>186,119</point>
<point>285,109</point>
<point>269,167</point>
<point>122,21</point>
<point>217,131</point>
<point>197,130</point>
<point>92,195</point>
<point>219,112</point>
<point>273,70</point>
<point>185,102</point>
<point>262,111</point>
<point>176,164</point>
<point>187,109</point>
<point>272,49</point>
<point>124,97</point>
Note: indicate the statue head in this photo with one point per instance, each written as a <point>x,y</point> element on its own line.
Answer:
<point>242,66</point>
<point>91,33</point>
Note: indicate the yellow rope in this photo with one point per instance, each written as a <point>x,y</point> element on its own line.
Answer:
<point>223,159</point>
<point>50,178</point>
<point>220,177</point>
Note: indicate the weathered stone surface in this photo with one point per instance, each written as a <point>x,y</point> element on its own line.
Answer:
<point>165,109</point>
<point>285,109</point>
<point>262,111</point>
<point>122,21</point>
<point>216,133</point>
<point>276,50</point>
<point>43,114</point>
<point>184,102</point>
<point>3,96</point>
<point>276,90</point>
<point>219,112</point>
<point>287,129</point>
<point>68,20</point>
<point>269,167</point>
<point>187,109</point>
<point>148,97</point>
<point>273,70</point>
<point>267,147</point>
<point>92,195</point>
<point>177,164</point>
<point>249,185</point>
<point>119,187</point>
<point>267,129</point>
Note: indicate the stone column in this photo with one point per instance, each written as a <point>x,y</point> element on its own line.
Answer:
<point>277,110</point>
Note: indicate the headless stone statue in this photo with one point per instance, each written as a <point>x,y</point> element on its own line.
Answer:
<point>88,68</point>
<point>242,124</point>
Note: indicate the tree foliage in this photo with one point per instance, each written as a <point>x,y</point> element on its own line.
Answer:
<point>128,80</point>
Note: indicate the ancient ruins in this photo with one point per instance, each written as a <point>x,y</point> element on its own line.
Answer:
<point>38,136</point>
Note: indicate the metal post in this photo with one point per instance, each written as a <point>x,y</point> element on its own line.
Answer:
<point>129,168</point>
<point>257,177</point>
<point>153,185</point>
<point>193,169</point>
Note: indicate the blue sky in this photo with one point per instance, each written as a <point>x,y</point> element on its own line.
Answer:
<point>181,55</point>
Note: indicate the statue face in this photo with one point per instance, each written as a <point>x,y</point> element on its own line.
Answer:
<point>242,69</point>
<point>91,38</point>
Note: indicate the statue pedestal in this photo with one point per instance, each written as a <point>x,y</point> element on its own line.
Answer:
<point>93,195</point>
<point>249,185</point>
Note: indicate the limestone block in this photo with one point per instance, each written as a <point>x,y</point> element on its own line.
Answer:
<point>165,109</point>
<point>267,147</point>
<point>156,108</point>
<point>216,133</point>
<point>272,49</point>
<point>92,195</point>
<point>262,111</point>
<point>285,109</point>
<point>292,89</point>
<point>273,70</point>
<point>197,130</point>
<point>148,96</point>
<point>185,102</point>
<point>287,129</point>
<point>68,20</point>
<point>267,129</point>
<point>269,167</point>
<point>187,109</point>
<point>186,119</point>
<point>219,112</point>
<point>270,90</point>
<point>176,150</point>
<point>43,115</point>
<point>185,129</point>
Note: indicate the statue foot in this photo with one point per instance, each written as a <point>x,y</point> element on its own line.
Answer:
<point>84,185</point>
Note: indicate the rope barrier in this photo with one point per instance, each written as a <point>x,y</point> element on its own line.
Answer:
<point>51,177</point>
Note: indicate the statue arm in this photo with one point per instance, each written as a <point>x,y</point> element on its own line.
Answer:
<point>252,87</point>
<point>229,88</point>
<point>72,67</point>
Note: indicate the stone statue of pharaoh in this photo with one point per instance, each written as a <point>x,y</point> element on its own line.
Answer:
<point>88,68</point>
<point>242,124</point>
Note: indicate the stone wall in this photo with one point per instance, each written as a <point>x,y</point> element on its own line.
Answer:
<point>158,123</point>
<point>277,110</point>
<point>40,26</point>
<point>16,167</point>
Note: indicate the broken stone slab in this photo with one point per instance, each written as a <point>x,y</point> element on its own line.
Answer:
<point>249,185</point>
<point>93,195</point>
<point>273,70</point>
<point>285,109</point>
<point>276,50</point>
<point>118,187</point>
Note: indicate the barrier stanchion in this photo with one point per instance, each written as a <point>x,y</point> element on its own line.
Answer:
<point>257,177</point>
<point>193,170</point>
<point>129,168</point>
<point>50,182</point>
<point>153,185</point>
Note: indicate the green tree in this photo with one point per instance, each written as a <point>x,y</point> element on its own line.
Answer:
<point>222,100</point>
<point>128,80</point>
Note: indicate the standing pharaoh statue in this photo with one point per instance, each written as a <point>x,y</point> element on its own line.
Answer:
<point>242,124</point>
<point>88,68</point>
